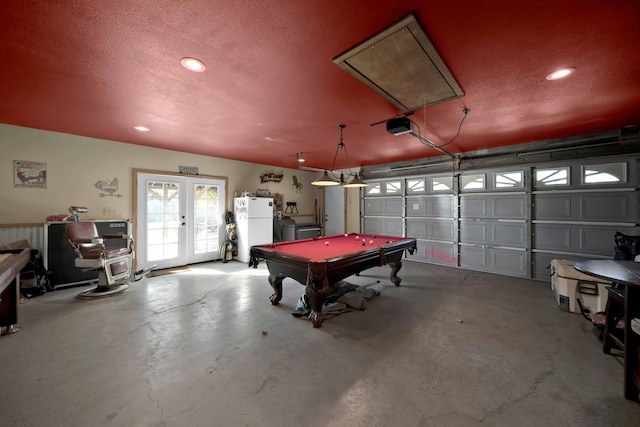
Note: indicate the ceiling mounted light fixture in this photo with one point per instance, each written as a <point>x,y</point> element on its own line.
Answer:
<point>561,73</point>
<point>193,64</point>
<point>332,178</point>
<point>142,128</point>
<point>326,181</point>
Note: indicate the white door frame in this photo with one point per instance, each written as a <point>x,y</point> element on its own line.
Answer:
<point>186,252</point>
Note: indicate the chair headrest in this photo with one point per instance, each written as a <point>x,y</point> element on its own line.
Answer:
<point>81,232</point>
<point>79,209</point>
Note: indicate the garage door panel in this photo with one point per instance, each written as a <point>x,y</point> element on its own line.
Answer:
<point>383,206</point>
<point>386,226</point>
<point>494,260</point>
<point>493,233</point>
<point>435,252</point>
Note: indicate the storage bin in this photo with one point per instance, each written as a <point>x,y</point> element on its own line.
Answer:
<point>567,283</point>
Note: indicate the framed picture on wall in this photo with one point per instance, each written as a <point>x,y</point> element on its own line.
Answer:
<point>28,174</point>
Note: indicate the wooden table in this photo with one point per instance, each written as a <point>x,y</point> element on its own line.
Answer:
<point>321,262</point>
<point>11,262</point>
<point>625,273</point>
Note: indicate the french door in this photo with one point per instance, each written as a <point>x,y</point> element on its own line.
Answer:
<point>180,220</point>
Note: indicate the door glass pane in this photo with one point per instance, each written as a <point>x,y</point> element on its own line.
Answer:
<point>373,189</point>
<point>472,182</point>
<point>607,172</point>
<point>415,185</point>
<point>163,220</point>
<point>442,183</point>
<point>393,187</point>
<point>548,177</point>
<point>513,179</point>
<point>207,216</point>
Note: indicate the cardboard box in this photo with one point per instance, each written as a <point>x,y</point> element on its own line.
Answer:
<point>567,283</point>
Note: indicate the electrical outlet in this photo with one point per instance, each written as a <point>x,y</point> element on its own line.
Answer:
<point>110,211</point>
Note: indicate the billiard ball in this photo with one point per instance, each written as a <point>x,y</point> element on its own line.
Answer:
<point>371,242</point>
<point>357,237</point>
<point>273,245</point>
<point>363,243</point>
<point>346,235</point>
<point>326,243</point>
<point>374,236</point>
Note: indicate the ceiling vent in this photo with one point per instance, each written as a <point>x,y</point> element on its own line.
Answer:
<point>402,66</point>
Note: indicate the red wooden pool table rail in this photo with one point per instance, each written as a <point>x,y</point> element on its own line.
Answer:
<point>322,262</point>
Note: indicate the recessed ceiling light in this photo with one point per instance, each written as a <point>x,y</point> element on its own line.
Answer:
<point>561,73</point>
<point>142,128</point>
<point>193,64</point>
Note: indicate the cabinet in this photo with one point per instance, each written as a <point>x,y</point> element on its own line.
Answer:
<point>59,257</point>
<point>300,231</point>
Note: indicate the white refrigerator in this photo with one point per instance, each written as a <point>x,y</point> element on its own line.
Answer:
<point>254,219</point>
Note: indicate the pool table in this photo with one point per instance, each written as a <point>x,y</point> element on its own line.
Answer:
<point>321,262</point>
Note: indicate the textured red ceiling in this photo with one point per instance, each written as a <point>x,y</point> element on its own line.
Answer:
<point>271,89</point>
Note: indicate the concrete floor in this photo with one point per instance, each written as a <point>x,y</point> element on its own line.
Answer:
<point>206,348</point>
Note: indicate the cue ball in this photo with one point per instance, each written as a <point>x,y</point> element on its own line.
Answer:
<point>371,242</point>
<point>357,237</point>
<point>326,243</point>
<point>346,235</point>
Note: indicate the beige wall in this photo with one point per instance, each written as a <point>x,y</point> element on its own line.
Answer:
<point>75,164</point>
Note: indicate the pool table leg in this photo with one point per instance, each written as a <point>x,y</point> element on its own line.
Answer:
<point>395,267</point>
<point>276,284</point>
<point>316,300</point>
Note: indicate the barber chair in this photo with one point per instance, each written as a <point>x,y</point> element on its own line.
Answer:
<point>113,264</point>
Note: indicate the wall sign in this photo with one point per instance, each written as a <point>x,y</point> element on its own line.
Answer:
<point>109,187</point>
<point>189,170</point>
<point>29,174</point>
<point>271,177</point>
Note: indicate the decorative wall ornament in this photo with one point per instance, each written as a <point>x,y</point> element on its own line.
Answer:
<point>109,187</point>
<point>189,170</point>
<point>297,184</point>
<point>271,177</point>
<point>29,174</point>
